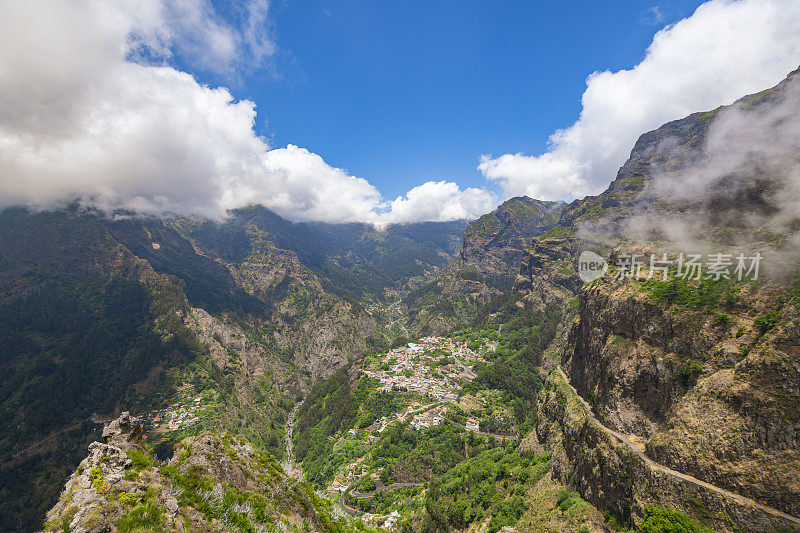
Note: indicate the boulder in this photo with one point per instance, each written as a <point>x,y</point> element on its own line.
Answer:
<point>123,432</point>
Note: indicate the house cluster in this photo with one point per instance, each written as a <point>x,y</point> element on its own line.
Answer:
<point>177,415</point>
<point>347,475</point>
<point>409,371</point>
<point>432,417</point>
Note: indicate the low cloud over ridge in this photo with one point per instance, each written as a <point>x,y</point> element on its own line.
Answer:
<point>90,110</point>
<point>725,50</point>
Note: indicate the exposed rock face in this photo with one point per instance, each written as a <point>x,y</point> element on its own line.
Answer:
<point>611,476</point>
<point>495,242</point>
<point>212,484</point>
<point>123,432</point>
<point>701,388</point>
<point>703,400</point>
<point>83,507</point>
<point>548,259</point>
<point>494,249</point>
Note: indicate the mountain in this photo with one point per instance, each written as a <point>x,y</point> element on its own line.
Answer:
<point>215,483</point>
<point>490,257</point>
<point>101,314</point>
<point>699,375</point>
<point>529,397</point>
<point>494,243</point>
<point>355,260</point>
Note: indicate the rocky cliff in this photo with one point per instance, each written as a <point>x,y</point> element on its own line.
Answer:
<point>702,377</point>
<point>213,483</point>
<point>493,251</point>
<point>100,313</point>
<point>494,243</point>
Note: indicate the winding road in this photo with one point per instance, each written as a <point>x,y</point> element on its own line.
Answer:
<point>379,487</point>
<point>656,466</point>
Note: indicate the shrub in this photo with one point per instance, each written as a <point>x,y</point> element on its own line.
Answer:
<point>470,272</point>
<point>143,517</point>
<point>128,498</point>
<point>722,321</point>
<point>687,374</point>
<point>567,498</point>
<point>766,322</point>
<point>664,520</point>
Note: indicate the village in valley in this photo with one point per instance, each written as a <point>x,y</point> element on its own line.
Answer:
<point>435,367</point>
<point>427,379</point>
<point>186,413</point>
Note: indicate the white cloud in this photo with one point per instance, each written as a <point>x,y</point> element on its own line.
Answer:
<point>89,111</point>
<point>212,44</point>
<point>725,50</point>
<point>654,15</point>
<point>438,201</point>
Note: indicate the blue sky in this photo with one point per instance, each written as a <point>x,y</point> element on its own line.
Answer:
<point>370,111</point>
<point>404,92</point>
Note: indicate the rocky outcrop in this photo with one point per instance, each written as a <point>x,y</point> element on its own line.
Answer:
<point>705,399</point>
<point>550,259</point>
<point>610,475</point>
<point>495,243</point>
<point>707,387</point>
<point>213,483</point>
<point>123,432</point>
<point>83,506</point>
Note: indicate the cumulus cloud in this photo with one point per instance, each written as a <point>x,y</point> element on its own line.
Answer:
<point>726,49</point>
<point>91,111</point>
<point>438,201</point>
<point>210,43</point>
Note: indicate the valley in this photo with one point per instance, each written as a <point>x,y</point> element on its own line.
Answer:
<point>257,374</point>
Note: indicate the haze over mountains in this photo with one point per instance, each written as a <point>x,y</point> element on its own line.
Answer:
<point>450,275</point>
<point>241,320</point>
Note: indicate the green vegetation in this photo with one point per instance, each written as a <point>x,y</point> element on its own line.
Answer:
<point>664,520</point>
<point>525,334</point>
<point>567,498</point>
<point>470,272</point>
<point>492,485</point>
<point>385,502</point>
<point>412,455</point>
<point>688,373</point>
<point>706,294</point>
<point>377,258</point>
<point>593,213</point>
<point>767,322</point>
<point>72,348</point>
<point>143,517</point>
<point>558,232</point>
<point>329,408</point>
<point>485,226</point>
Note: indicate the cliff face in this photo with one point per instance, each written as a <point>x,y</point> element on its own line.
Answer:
<point>493,251</point>
<point>703,378</point>
<point>98,314</point>
<point>612,475</point>
<point>213,483</point>
<point>278,299</point>
<point>494,243</point>
<point>702,395</point>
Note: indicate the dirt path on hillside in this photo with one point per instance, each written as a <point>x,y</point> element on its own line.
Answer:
<point>661,468</point>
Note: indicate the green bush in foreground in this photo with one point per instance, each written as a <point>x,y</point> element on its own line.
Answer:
<point>664,520</point>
